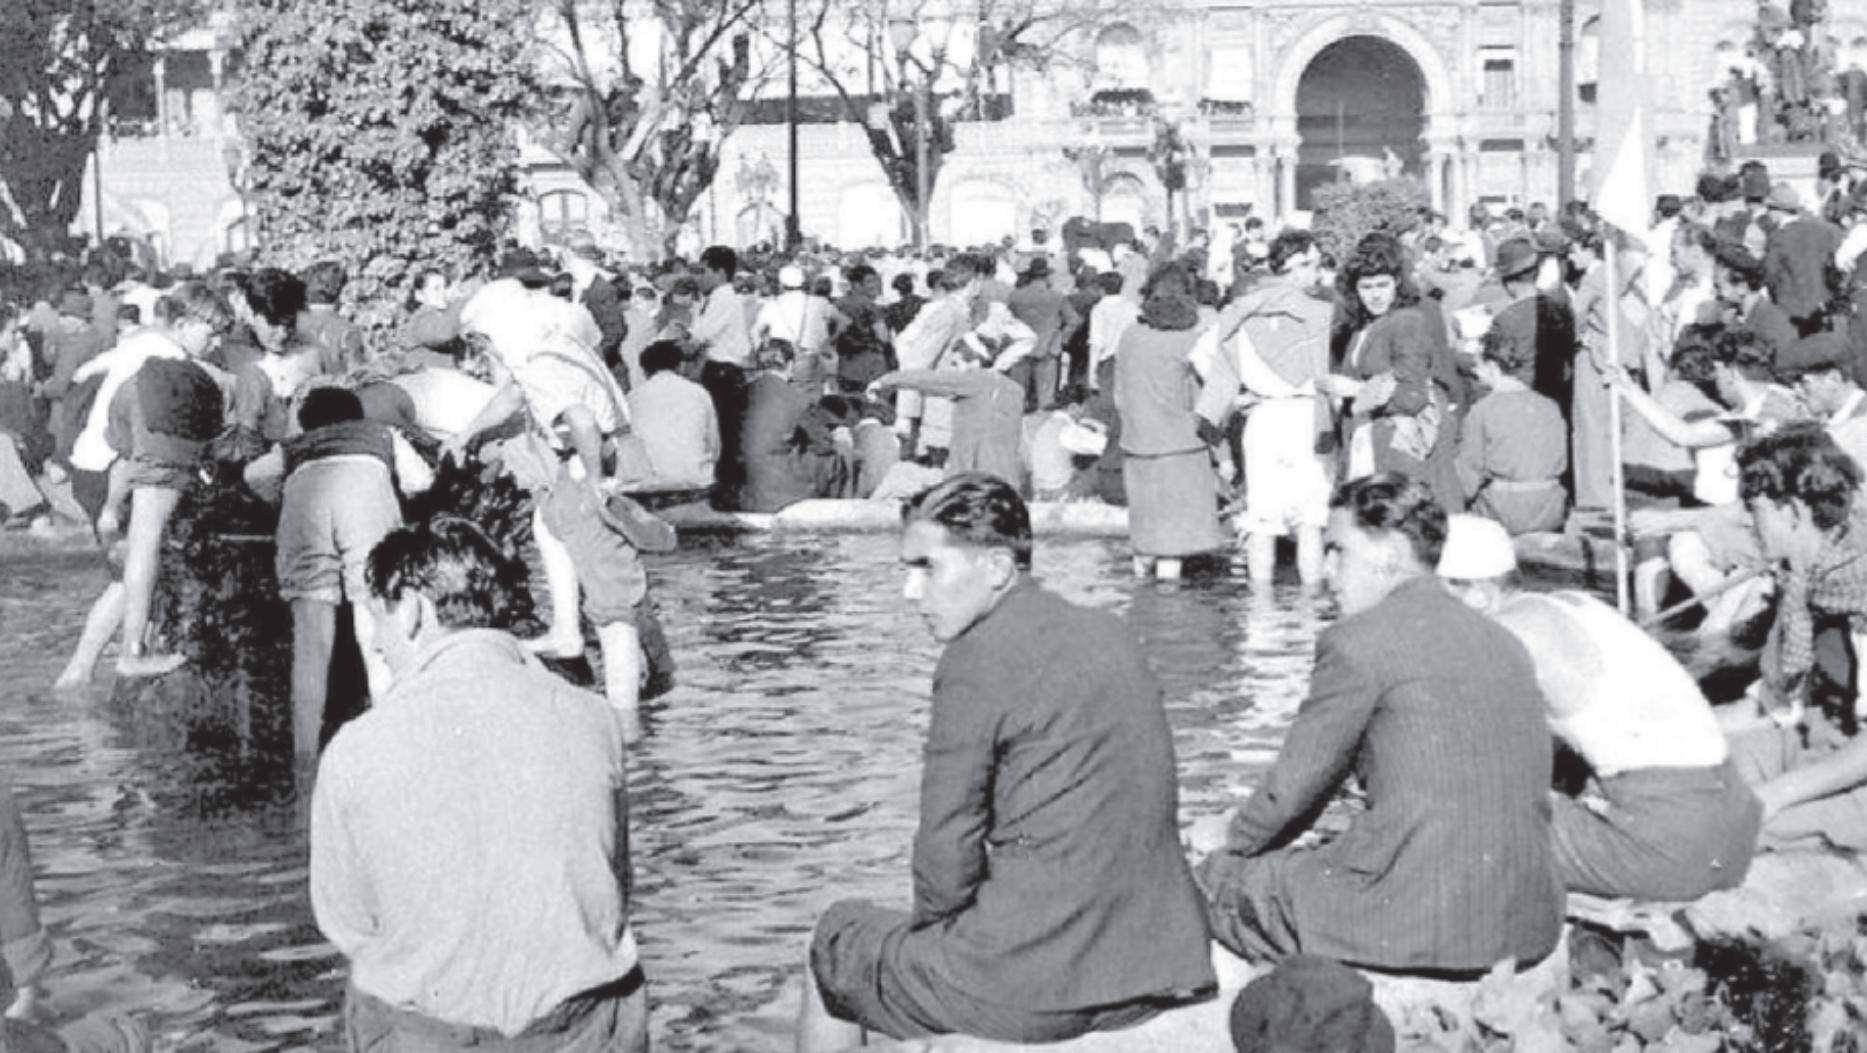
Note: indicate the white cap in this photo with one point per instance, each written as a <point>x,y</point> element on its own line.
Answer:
<point>790,276</point>
<point>1477,549</point>
<point>1085,438</point>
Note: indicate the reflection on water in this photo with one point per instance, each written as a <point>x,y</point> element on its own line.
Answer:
<point>778,777</point>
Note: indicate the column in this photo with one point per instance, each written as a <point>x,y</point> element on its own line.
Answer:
<point>161,70</point>
<point>211,122</point>
<point>1458,197</point>
<point>1436,179</point>
<point>1287,182</point>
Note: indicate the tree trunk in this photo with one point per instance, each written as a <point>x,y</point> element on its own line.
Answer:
<point>44,172</point>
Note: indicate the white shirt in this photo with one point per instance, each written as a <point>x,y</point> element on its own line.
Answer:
<point>679,429</point>
<point>1108,320</point>
<point>798,317</point>
<point>720,327</point>
<point>91,452</point>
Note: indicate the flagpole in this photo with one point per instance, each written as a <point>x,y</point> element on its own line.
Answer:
<point>1611,259</point>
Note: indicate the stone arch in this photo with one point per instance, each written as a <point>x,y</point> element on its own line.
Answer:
<point>1440,99</point>
<point>1127,198</point>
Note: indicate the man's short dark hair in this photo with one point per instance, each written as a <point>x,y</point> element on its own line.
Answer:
<point>329,405</point>
<point>1668,205</point>
<point>1111,282</point>
<point>1392,502</point>
<point>1746,351</point>
<point>976,508</point>
<point>774,353</point>
<point>277,296</point>
<point>324,281</point>
<point>661,357</point>
<point>720,258</point>
<point>1738,260</point>
<point>1288,246</point>
<point>903,284</point>
<point>472,584</point>
<point>1801,461</point>
<point>858,274</point>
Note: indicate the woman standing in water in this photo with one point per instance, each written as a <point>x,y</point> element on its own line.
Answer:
<point>1173,492</point>
<point>1394,380</point>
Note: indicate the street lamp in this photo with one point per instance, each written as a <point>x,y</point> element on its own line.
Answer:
<point>901,34</point>
<point>233,155</point>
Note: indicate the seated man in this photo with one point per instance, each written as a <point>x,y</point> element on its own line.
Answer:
<point>1448,872</point>
<point>1667,816</point>
<point>1050,898</point>
<point>1808,763</point>
<point>469,834</point>
<point>675,418</point>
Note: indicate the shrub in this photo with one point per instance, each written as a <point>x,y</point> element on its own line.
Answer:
<point>381,135</point>
<point>1348,212</point>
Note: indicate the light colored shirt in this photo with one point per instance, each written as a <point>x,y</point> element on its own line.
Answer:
<point>798,317</point>
<point>720,327</point>
<point>679,429</point>
<point>91,452</point>
<point>1108,320</point>
<point>469,839</point>
<point>1586,657</point>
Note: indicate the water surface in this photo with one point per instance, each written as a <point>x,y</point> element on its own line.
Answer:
<point>779,776</point>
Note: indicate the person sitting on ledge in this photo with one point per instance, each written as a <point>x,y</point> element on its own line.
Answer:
<point>1802,749</point>
<point>470,833</point>
<point>1050,899</point>
<point>1448,872</point>
<point>1667,816</point>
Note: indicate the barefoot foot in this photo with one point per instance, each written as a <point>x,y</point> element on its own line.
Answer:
<point>146,665</point>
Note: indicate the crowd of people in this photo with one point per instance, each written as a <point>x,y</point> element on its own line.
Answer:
<point>1398,415</point>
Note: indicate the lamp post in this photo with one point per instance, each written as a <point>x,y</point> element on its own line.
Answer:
<point>793,227</point>
<point>901,34</point>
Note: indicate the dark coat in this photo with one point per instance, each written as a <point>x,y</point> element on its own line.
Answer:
<point>770,450</point>
<point>1436,711</point>
<point>1048,854</point>
<point>1795,265</point>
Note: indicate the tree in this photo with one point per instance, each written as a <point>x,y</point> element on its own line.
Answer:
<point>1348,212</point>
<point>956,58</point>
<point>647,96</point>
<point>381,135</point>
<point>58,60</point>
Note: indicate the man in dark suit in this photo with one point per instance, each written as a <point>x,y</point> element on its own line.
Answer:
<point>1437,711</point>
<point>1796,260</point>
<point>1738,277</point>
<point>1050,895</point>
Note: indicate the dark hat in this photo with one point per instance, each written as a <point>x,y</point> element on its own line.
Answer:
<point>1754,182</point>
<point>524,267</point>
<point>1828,165</point>
<point>1812,354</point>
<point>1310,1005</point>
<point>1712,188</point>
<point>1552,240</point>
<point>76,304</point>
<point>1039,267</point>
<point>1516,256</point>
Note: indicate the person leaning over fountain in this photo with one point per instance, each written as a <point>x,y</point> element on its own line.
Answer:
<point>1437,710</point>
<point>1666,816</point>
<point>469,834</point>
<point>1050,898</point>
<point>1803,751</point>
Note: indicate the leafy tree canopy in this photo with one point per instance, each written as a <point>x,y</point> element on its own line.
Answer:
<point>381,135</point>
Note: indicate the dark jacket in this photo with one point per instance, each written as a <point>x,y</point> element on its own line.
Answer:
<point>606,305</point>
<point>1437,712</point>
<point>1048,854</point>
<point>1795,265</point>
<point>770,449</point>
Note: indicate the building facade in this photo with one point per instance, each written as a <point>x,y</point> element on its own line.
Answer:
<point>1274,97</point>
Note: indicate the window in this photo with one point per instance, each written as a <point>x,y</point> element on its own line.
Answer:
<point>562,212</point>
<point>1121,57</point>
<point>1498,88</point>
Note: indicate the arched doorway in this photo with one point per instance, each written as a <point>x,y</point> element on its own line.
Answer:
<point>1361,113</point>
